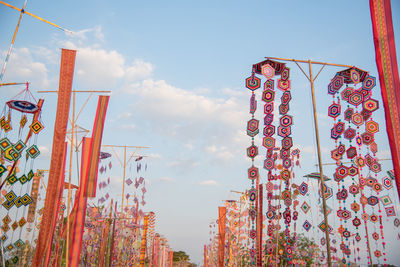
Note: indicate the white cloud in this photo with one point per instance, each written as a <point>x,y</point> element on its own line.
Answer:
<point>139,70</point>
<point>209,183</point>
<point>23,67</point>
<point>44,151</point>
<point>130,126</point>
<point>167,179</point>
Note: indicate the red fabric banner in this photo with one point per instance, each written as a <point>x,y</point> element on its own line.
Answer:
<point>386,61</point>
<point>221,233</point>
<point>60,128</point>
<point>259,225</point>
<point>78,213</point>
<point>97,135</point>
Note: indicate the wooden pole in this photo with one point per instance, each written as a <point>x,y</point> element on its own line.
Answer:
<point>69,178</point>
<point>328,247</point>
<point>123,184</point>
<point>221,235</point>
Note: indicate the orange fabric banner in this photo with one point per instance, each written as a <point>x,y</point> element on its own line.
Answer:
<point>97,135</point>
<point>144,241</point>
<point>221,233</point>
<point>60,128</point>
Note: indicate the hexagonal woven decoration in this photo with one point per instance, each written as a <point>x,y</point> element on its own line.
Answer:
<point>355,207</point>
<point>269,130</point>
<point>283,109</point>
<point>268,95</point>
<point>334,110</point>
<point>269,164</point>
<point>252,127</point>
<point>269,84</point>
<point>285,73</point>
<point>357,119</point>
<point>253,104</point>
<point>356,222</point>
<point>372,200</point>
<point>369,82</point>
<point>253,173</point>
<point>285,175</point>
<point>284,131</point>
<point>396,222</point>
<point>269,107</point>
<point>351,152</point>
<point>286,97</point>
<point>372,127</point>
<point>387,183</point>
<point>348,113</point>
<point>269,142</point>
<point>286,121</point>
<point>268,71</point>
<point>252,151</point>
<point>337,82</point>
<point>356,98</point>
<point>284,85</point>
<point>341,172</point>
<point>253,83</point>
<point>353,189</point>
<point>339,127</point>
<point>287,142</point>
<point>349,133</point>
<point>367,138</point>
<point>268,119</point>
<point>371,105</point>
<point>345,94</point>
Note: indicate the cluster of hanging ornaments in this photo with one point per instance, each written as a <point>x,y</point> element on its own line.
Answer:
<point>355,143</point>
<point>20,123</point>
<point>279,161</point>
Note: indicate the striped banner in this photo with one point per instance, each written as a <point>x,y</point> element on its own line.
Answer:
<point>386,61</point>
<point>78,213</point>
<point>144,241</point>
<point>97,135</point>
<point>221,235</point>
<point>34,196</point>
<point>57,156</point>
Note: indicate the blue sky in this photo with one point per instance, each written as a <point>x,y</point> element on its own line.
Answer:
<point>176,70</point>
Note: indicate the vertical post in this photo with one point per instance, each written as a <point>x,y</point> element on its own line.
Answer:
<point>260,226</point>
<point>205,256</point>
<point>123,184</point>
<point>69,178</point>
<point>221,235</point>
<point>328,247</point>
<point>144,242</point>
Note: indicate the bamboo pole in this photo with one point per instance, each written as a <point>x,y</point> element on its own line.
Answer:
<point>69,178</point>
<point>328,247</point>
<point>312,62</point>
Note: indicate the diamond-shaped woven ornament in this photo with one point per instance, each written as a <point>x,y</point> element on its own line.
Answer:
<point>19,146</point>
<point>386,200</point>
<point>4,237</point>
<point>10,196</point>
<point>128,181</point>
<point>26,200</point>
<point>33,151</point>
<point>3,169</point>
<point>10,247</point>
<point>307,225</point>
<point>5,228</point>
<point>303,188</point>
<point>12,179</point>
<point>30,175</point>
<point>15,259</point>
<point>305,207</point>
<point>387,183</point>
<point>23,121</point>
<point>6,219</point>
<point>18,243</point>
<point>14,225</point>
<point>17,202</point>
<point>22,222</point>
<point>322,227</point>
<point>36,127</point>
<point>23,179</point>
<point>390,211</point>
<point>8,204</point>
<point>5,144</point>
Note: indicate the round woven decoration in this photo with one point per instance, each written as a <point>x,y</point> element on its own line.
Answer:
<point>23,106</point>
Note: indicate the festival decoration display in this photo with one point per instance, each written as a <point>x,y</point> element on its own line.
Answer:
<point>357,166</point>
